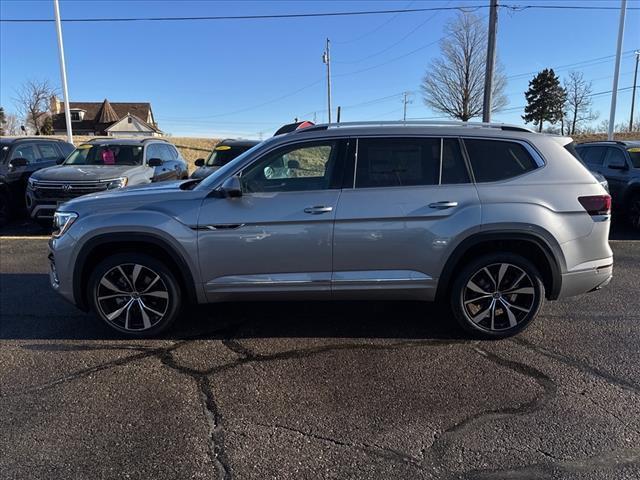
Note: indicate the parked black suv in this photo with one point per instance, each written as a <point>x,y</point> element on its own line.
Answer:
<point>619,163</point>
<point>222,153</point>
<point>19,158</point>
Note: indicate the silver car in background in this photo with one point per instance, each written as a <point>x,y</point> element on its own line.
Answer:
<point>492,219</point>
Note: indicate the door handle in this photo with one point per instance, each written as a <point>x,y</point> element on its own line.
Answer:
<point>442,205</point>
<point>317,210</point>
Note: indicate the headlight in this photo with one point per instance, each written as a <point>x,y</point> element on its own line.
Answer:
<point>62,221</point>
<point>117,183</point>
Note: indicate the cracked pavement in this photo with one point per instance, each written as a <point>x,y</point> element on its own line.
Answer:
<point>317,390</point>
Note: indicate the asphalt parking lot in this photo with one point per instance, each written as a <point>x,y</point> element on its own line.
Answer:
<point>311,391</point>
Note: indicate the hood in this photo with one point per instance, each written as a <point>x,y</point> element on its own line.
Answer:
<point>203,172</point>
<point>70,173</point>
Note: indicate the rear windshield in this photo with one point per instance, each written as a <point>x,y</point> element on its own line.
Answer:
<point>634,154</point>
<point>106,155</point>
<point>224,154</point>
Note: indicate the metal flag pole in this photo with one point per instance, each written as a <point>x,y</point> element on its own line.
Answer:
<point>63,72</point>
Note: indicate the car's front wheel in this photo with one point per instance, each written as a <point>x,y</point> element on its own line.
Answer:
<point>135,294</point>
<point>497,295</point>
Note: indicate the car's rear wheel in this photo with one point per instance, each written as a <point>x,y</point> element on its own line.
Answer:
<point>135,294</point>
<point>497,295</point>
<point>633,211</point>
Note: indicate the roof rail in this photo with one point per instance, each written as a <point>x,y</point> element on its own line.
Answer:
<point>617,142</point>
<point>417,123</point>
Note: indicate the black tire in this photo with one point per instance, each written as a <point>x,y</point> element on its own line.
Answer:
<point>140,318</point>
<point>481,305</point>
<point>633,211</point>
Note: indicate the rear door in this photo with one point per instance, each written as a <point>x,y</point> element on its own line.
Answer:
<point>50,153</point>
<point>411,196</point>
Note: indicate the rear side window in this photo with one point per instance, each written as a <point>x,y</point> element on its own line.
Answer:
<point>494,160</point>
<point>616,157</point>
<point>397,162</point>
<point>593,156</point>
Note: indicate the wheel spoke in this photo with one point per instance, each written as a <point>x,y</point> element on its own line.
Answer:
<point>481,297</point>
<point>501,272</point>
<point>526,290</point>
<point>493,315</point>
<point>484,314</point>
<point>145,307</point>
<point>158,293</point>
<point>117,312</point>
<point>153,282</point>
<point>511,305</point>
<point>107,284</point>
<point>517,282</point>
<point>486,270</point>
<point>136,272</point>
<point>126,318</point>
<point>126,278</point>
<point>474,287</point>
<point>115,295</point>
<point>145,318</point>
<point>512,318</point>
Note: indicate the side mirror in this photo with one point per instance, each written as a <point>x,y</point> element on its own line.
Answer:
<point>155,162</point>
<point>18,162</point>
<point>60,161</point>
<point>199,162</point>
<point>293,164</point>
<point>231,187</point>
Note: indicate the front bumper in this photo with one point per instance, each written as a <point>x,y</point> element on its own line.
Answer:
<point>588,279</point>
<point>60,266</point>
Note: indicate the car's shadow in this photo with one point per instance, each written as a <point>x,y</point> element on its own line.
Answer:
<point>30,310</point>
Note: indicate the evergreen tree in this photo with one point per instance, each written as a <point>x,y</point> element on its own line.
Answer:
<point>3,120</point>
<point>545,99</point>
<point>47,127</point>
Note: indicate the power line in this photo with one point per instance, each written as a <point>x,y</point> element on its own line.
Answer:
<point>378,28</point>
<point>514,8</point>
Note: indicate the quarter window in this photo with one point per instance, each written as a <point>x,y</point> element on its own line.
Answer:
<point>396,162</point>
<point>494,160</point>
<point>292,169</point>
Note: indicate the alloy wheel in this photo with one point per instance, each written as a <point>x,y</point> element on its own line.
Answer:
<point>132,297</point>
<point>498,297</point>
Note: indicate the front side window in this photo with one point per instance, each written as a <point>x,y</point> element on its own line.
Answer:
<point>494,160</point>
<point>397,162</point>
<point>300,168</point>
<point>616,157</point>
<point>634,154</point>
<point>28,152</point>
<point>105,155</point>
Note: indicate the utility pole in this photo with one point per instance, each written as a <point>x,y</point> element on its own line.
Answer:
<point>633,92</point>
<point>491,60</point>
<point>326,59</point>
<point>63,72</point>
<point>616,73</point>
<point>405,101</point>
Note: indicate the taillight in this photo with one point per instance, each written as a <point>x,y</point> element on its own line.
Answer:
<point>596,204</point>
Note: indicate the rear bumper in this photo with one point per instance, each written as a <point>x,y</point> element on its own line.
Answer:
<point>588,279</point>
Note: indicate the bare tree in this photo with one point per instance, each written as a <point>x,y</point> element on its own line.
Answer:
<point>11,124</point>
<point>578,102</point>
<point>454,83</point>
<point>32,102</point>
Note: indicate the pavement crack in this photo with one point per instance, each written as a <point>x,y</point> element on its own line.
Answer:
<point>236,347</point>
<point>372,449</point>
<point>620,382</point>
<point>216,433</point>
<point>436,451</point>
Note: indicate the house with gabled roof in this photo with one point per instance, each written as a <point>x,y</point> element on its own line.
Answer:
<point>115,119</point>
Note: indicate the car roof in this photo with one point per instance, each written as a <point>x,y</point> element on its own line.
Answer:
<point>8,140</point>
<point>237,142</point>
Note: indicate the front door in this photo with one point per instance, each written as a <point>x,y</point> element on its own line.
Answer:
<point>411,198</point>
<point>276,237</point>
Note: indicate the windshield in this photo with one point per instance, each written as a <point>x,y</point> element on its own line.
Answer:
<point>224,154</point>
<point>634,154</point>
<point>229,167</point>
<point>106,155</point>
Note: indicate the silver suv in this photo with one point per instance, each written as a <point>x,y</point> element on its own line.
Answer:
<point>490,218</point>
